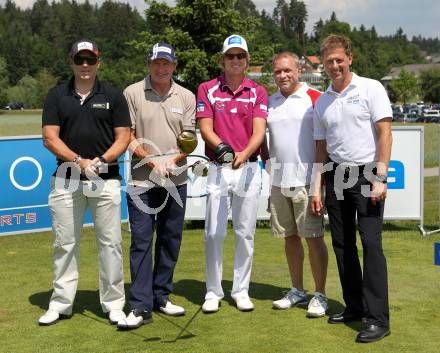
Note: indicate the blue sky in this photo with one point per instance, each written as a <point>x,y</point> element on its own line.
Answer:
<point>415,17</point>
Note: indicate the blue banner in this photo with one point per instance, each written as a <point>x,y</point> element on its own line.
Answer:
<point>437,254</point>
<point>26,168</point>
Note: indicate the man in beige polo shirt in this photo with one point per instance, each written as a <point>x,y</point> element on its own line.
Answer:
<point>160,110</point>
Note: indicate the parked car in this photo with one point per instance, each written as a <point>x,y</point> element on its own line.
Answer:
<point>399,117</point>
<point>412,118</point>
<point>432,115</point>
<point>14,106</point>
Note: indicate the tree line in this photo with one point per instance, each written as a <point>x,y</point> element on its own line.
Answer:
<point>35,42</point>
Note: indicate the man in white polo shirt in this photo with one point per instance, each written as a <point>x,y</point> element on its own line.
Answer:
<point>292,153</point>
<point>352,126</point>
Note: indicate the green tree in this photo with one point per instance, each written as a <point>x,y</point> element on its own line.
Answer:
<point>45,81</point>
<point>298,18</point>
<point>246,8</point>
<point>334,26</point>
<point>198,41</point>
<point>124,71</point>
<point>430,85</point>
<point>25,91</point>
<point>405,86</point>
<point>4,83</point>
<point>291,18</point>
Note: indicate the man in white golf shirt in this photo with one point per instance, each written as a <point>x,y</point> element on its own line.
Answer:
<point>352,126</point>
<point>292,153</point>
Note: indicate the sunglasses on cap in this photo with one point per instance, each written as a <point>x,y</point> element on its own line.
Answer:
<point>239,56</point>
<point>90,60</point>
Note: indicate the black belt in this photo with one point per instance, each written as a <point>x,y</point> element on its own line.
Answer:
<point>349,168</point>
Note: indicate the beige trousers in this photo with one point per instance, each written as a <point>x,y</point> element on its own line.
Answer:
<point>68,206</point>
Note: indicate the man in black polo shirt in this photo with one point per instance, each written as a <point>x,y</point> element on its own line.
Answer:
<point>86,124</point>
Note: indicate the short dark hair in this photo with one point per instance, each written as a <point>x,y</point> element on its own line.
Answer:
<point>334,41</point>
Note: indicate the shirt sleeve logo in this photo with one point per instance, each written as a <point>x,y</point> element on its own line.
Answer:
<point>200,106</point>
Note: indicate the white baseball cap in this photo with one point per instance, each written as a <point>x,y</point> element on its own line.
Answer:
<point>235,41</point>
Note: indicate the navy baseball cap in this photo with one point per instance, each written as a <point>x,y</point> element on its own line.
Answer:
<point>84,44</point>
<point>162,50</point>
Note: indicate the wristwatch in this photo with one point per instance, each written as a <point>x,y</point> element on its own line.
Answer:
<point>77,159</point>
<point>102,160</point>
<point>381,178</point>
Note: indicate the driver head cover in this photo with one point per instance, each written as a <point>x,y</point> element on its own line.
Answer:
<point>187,141</point>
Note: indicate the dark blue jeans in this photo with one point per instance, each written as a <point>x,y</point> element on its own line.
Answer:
<point>151,286</point>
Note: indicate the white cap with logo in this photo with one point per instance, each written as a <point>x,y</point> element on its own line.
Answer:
<point>235,41</point>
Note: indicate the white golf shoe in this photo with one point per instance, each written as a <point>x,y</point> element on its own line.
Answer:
<point>171,309</point>
<point>51,317</point>
<point>318,305</point>
<point>244,303</point>
<point>135,319</point>
<point>210,306</point>
<point>292,298</point>
<point>116,315</point>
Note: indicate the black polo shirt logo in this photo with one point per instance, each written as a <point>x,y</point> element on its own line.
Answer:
<point>101,105</point>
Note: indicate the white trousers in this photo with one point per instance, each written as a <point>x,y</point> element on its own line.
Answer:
<point>237,190</point>
<point>68,207</point>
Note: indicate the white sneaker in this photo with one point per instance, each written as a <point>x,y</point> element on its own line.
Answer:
<point>210,305</point>
<point>244,304</point>
<point>172,309</point>
<point>116,315</point>
<point>318,305</point>
<point>135,319</point>
<point>51,317</point>
<point>292,298</point>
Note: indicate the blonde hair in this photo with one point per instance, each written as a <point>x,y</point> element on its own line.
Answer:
<point>334,41</point>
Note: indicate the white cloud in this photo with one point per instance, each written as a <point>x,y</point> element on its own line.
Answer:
<point>24,4</point>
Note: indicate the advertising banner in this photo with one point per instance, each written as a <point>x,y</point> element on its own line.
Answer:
<point>26,167</point>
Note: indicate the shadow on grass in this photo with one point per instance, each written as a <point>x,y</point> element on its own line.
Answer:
<point>87,301</point>
<point>84,300</point>
<point>194,291</point>
<point>396,226</point>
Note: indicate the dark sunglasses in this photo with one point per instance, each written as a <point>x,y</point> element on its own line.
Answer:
<point>90,60</point>
<point>239,56</point>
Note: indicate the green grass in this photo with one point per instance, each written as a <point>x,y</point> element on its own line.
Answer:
<point>431,145</point>
<point>26,278</point>
<point>19,123</point>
